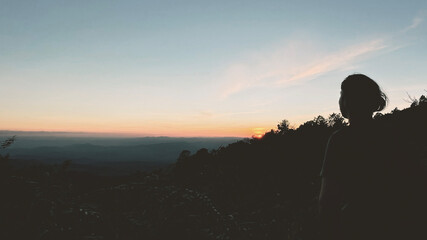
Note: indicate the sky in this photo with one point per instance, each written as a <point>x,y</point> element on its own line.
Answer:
<point>200,68</point>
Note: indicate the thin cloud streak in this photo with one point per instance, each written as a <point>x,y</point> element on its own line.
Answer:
<point>337,60</point>
<point>292,64</point>
<point>264,68</point>
<point>415,23</point>
<point>300,61</point>
<point>210,114</point>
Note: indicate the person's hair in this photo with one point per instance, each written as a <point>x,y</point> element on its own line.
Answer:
<point>362,94</point>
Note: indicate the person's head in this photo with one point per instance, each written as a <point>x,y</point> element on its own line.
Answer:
<point>360,96</point>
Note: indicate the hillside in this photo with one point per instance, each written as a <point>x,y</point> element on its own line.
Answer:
<point>253,189</point>
<point>104,155</point>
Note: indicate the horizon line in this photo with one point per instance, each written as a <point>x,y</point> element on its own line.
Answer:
<point>106,134</point>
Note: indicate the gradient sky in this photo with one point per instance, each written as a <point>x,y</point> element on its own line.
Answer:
<point>199,68</point>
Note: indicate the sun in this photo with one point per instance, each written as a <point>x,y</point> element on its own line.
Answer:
<point>258,132</point>
<point>258,136</point>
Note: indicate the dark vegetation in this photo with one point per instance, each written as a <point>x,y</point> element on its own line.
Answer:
<point>252,189</point>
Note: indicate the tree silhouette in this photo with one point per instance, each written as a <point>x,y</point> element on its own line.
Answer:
<point>283,127</point>
<point>336,120</point>
<point>252,189</point>
<point>422,100</point>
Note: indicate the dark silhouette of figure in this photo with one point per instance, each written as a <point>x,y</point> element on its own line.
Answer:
<point>363,179</point>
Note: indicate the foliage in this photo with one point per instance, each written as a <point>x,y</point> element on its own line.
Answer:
<point>416,102</point>
<point>283,127</point>
<point>252,189</point>
<point>6,143</point>
<point>4,159</point>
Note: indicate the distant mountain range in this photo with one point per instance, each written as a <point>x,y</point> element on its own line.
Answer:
<point>85,153</point>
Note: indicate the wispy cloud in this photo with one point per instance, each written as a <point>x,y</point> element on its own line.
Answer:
<point>298,60</point>
<point>415,23</point>
<point>301,60</point>
<point>337,60</point>
<point>211,114</point>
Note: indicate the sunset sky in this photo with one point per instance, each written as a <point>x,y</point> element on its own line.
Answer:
<point>199,68</point>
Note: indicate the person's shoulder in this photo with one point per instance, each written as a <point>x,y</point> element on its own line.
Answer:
<point>385,132</point>
<point>338,137</point>
<point>340,133</point>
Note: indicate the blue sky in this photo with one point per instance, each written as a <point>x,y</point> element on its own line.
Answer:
<point>199,68</point>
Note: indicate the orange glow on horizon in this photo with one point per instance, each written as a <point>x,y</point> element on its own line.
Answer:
<point>206,133</point>
<point>134,128</point>
<point>243,132</point>
<point>258,132</point>
<point>258,136</point>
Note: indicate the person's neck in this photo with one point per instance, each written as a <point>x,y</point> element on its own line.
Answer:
<point>360,120</point>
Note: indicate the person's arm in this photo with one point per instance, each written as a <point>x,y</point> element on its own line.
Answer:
<point>330,193</point>
<point>329,208</point>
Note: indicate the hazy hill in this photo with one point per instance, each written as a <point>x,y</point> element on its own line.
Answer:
<point>106,155</point>
<point>249,190</point>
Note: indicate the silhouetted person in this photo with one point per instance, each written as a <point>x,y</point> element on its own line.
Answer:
<point>364,183</point>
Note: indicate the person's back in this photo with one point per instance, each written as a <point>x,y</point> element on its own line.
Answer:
<point>357,165</point>
<point>363,193</point>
